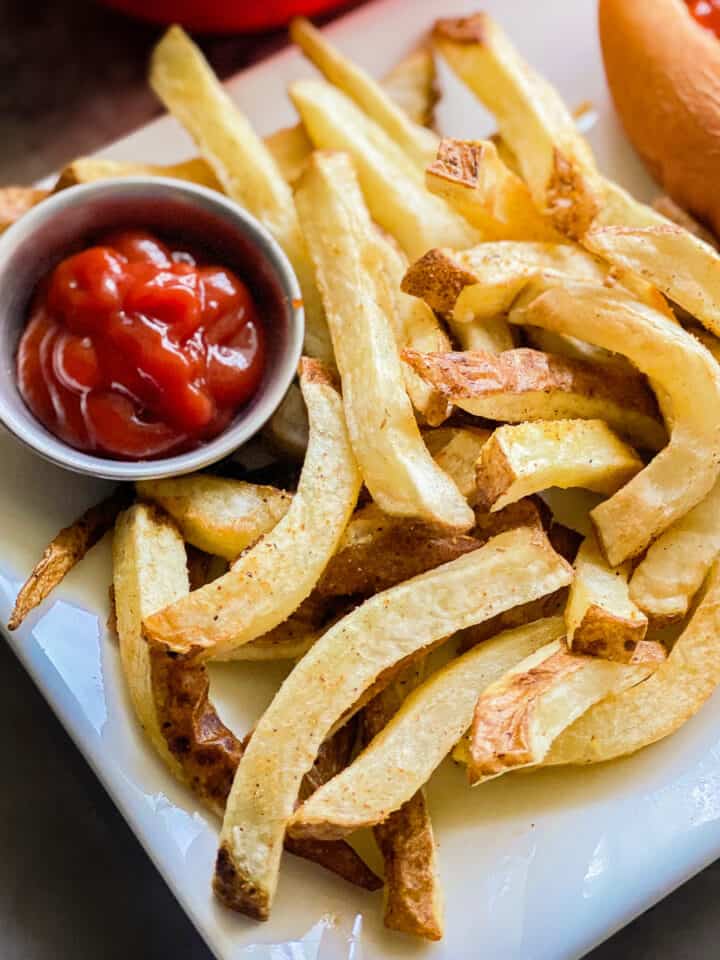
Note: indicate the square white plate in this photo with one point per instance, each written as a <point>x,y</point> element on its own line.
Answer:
<point>534,866</point>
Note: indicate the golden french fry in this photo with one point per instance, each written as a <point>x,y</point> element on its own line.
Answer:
<point>456,451</point>
<point>15,201</point>
<point>89,169</point>
<point>417,141</point>
<point>518,717</point>
<point>217,514</point>
<point>64,551</point>
<point>412,85</point>
<point>393,186</point>
<point>399,472</point>
<point>423,731</point>
<point>526,458</point>
<point>676,564</point>
<point>667,208</point>
<point>523,384</point>
<point>513,567</point>
<point>687,381</point>
<point>413,901</point>
<point>272,579</point>
<point>600,616</point>
<point>659,706</point>
<point>555,160</point>
<point>184,81</point>
<point>470,176</point>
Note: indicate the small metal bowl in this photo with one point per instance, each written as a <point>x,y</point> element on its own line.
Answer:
<point>183,212</point>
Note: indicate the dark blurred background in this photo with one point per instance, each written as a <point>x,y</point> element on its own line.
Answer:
<point>74,882</point>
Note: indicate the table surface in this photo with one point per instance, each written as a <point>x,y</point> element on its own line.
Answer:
<point>74,80</point>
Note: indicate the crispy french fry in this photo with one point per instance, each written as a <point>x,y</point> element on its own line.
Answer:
<point>417,739</point>
<point>518,717</point>
<point>687,381</point>
<point>600,616</point>
<point>216,514</point>
<point>667,208</point>
<point>290,148</point>
<point>555,160</point>
<point>456,450</point>
<point>182,78</point>
<point>396,466</point>
<point>15,201</point>
<point>393,186</point>
<point>525,458</point>
<point>412,85</point>
<point>672,571</point>
<point>470,176</point>
<point>272,579</point>
<point>417,141</point>
<point>654,709</point>
<point>512,568</point>
<point>522,384</point>
<point>413,902</point>
<point>64,551</point>
<point>89,169</point>
<point>575,349</point>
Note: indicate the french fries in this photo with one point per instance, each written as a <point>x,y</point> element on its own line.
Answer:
<point>89,169</point>
<point>64,551</point>
<point>271,580</point>
<point>526,458</point>
<point>518,717</point>
<point>676,564</point>
<point>456,450</point>
<point>417,739</point>
<point>600,616</point>
<point>525,385</point>
<point>687,381</point>
<point>216,514</point>
<point>392,184</point>
<point>555,161</point>
<point>470,176</point>
<point>417,141</point>
<point>355,652</point>
<point>182,78</point>
<point>413,902</point>
<point>412,85</point>
<point>659,706</point>
<point>396,466</point>
<point>15,201</point>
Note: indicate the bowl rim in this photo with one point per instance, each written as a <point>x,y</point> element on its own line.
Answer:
<point>31,432</point>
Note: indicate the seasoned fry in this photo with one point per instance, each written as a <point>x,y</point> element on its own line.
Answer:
<point>15,201</point>
<point>456,450</point>
<point>675,566</point>
<point>290,148</point>
<point>182,78</point>
<point>654,709</point>
<point>518,717</point>
<point>529,457</point>
<point>555,160</point>
<point>687,381</point>
<point>393,186</point>
<point>64,551</point>
<point>412,85</point>
<point>413,901</point>
<point>470,176</point>
<point>515,567</point>
<point>417,142</point>
<point>89,169</point>
<point>215,514</point>
<point>271,580</point>
<point>601,618</point>
<point>396,466</point>
<point>420,735</point>
<point>523,384</point>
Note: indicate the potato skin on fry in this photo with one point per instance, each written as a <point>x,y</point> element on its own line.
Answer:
<point>65,550</point>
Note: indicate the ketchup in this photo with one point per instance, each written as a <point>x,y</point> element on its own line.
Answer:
<point>707,13</point>
<point>135,349</point>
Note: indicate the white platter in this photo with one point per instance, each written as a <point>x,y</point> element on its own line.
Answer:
<point>534,867</point>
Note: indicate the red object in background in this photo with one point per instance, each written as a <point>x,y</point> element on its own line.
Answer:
<point>707,13</point>
<point>222,16</point>
<point>135,350</point>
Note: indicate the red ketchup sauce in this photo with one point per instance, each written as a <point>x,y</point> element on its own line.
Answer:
<point>707,13</point>
<point>135,349</point>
